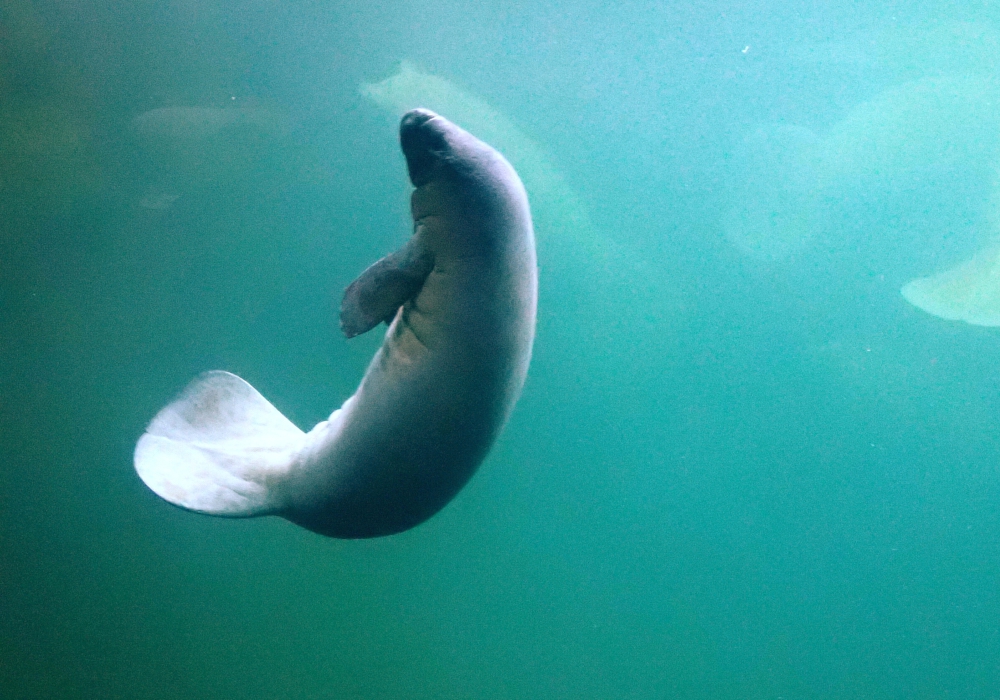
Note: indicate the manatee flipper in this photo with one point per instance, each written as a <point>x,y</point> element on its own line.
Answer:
<point>219,448</point>
<point>380,290</point>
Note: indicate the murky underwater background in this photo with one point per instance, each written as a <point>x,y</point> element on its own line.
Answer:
<point>743,466</point>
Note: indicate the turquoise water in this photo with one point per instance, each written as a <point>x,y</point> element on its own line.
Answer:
<point>743,465</point>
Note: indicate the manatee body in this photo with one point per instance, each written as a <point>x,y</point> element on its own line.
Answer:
<point>460,301</point>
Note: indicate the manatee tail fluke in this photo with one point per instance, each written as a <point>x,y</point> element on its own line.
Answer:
<point>219,448</point>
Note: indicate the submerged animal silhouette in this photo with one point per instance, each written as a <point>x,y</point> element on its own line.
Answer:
<point>460,299</point>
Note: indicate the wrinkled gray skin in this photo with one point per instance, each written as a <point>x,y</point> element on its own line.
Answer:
<point>461,299</point>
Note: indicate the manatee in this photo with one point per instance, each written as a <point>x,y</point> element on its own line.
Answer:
<point>460,300</point>
<point>897,163</point>
<point>914,129</point>
<point>194,152</point>
<point>197,123</point>
<point>967,292</point>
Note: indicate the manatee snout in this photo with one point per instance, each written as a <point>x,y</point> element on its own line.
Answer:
<point>423,141</point>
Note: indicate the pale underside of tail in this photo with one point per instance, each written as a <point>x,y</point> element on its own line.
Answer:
<point>219,448</point>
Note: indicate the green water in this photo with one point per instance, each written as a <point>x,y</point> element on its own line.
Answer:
<point>743,466</point>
